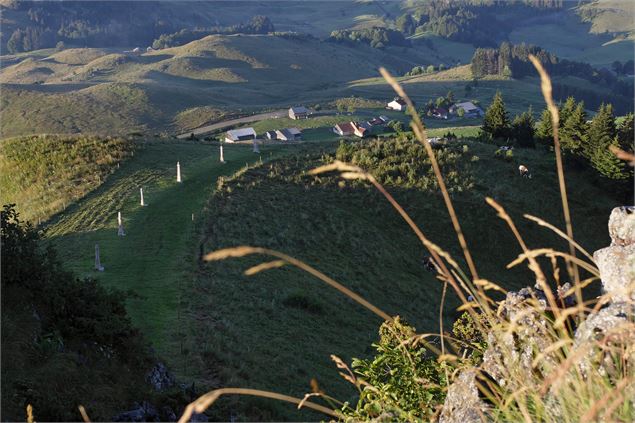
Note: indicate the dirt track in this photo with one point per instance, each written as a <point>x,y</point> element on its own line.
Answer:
<point>226,123</point>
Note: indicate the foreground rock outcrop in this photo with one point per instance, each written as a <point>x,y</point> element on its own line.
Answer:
<point>515,352</point>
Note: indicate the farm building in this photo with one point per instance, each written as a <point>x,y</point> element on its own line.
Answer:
<point>242,134</point>
<point>289,134</point>
<point>344,129</point>
<point>271,135</point>
<point>298,113</point>
<point>440,113</point>
<point>376,122</point>
<point>397,104</point>
<point>361,129</point>
<point>470,109</point>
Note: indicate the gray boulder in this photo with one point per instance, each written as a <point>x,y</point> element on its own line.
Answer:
<point>160,378</point>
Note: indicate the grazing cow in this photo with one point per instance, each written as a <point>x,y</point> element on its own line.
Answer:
<point>524,172</point>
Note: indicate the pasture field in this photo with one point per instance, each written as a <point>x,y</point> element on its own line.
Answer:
<point>152,259</point>
<point>276,330</point>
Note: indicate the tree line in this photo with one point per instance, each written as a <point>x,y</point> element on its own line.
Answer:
<point>374,37</point>
<point>107,24</point>
<point>477,22</point>
<point>257,25</point>
<point>584,142</point>
<point>511,60</point>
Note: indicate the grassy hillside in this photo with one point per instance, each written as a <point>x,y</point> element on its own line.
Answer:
<point>609,16</point>
<point>150,259</point>
<point>42,174</point>
<point>104,90</point>
<point>276,330</point>
<point>593,41</point>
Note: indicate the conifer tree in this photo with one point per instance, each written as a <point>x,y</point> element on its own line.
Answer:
<point>602,134</point>
<point>626,134</point>
<point>496,121</point>
<point>566,110</point>
<point>523,129</point>
<point>544,130</point>
<point>573,134</point>
<point>602,131</point>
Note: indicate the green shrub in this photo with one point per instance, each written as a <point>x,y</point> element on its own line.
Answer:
<point>397,376</point>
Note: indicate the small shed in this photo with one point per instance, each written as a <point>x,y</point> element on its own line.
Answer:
<point>299,112</point>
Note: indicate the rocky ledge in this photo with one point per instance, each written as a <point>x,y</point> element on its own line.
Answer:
<point>517,350</point>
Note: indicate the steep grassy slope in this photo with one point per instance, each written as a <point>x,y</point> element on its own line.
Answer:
<point>149,260</point>
<point>42,174</point>
<point>276,330</point>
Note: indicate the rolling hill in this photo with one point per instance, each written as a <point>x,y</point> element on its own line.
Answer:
<point>276,330</point>
<point>126,93</point>
<point>105,90</point>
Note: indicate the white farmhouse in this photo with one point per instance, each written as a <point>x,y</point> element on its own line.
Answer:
<point>397,104</point>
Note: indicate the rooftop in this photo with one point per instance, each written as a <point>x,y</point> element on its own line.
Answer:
<point>242,132</point>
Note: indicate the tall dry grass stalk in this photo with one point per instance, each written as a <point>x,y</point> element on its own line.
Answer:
<point>29,414</point>
<point>420,132</point>
<point>205,401</point>
<point>554,387</point>
<point>545,85</point>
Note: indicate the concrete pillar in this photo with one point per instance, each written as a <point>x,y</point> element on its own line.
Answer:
<point>120,231</point>
<point>98,265</point>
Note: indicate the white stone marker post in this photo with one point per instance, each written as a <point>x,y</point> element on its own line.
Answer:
<point>222,158</point>
<point>178,172</point>
<point>256,149</point>
<point>120,231</point>
<point>98,265</point>
<point>141,192</point>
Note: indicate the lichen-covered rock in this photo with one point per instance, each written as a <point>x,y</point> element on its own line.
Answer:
<point>622,226</point>
<point>617,262</point>
<point>515,350</point>
<point>605,334</point>
<point>462,403</point>
<point>617,271</point>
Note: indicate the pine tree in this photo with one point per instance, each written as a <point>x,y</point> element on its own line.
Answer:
<point>603,134</point>
<point>566,110</point>
<point>544,131</point>
<point>523,129</point>
<point>496,121</point>
<point>573,134</point>
<point>450,97</point>
<point>602,131</point>
<point>626,133</point>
